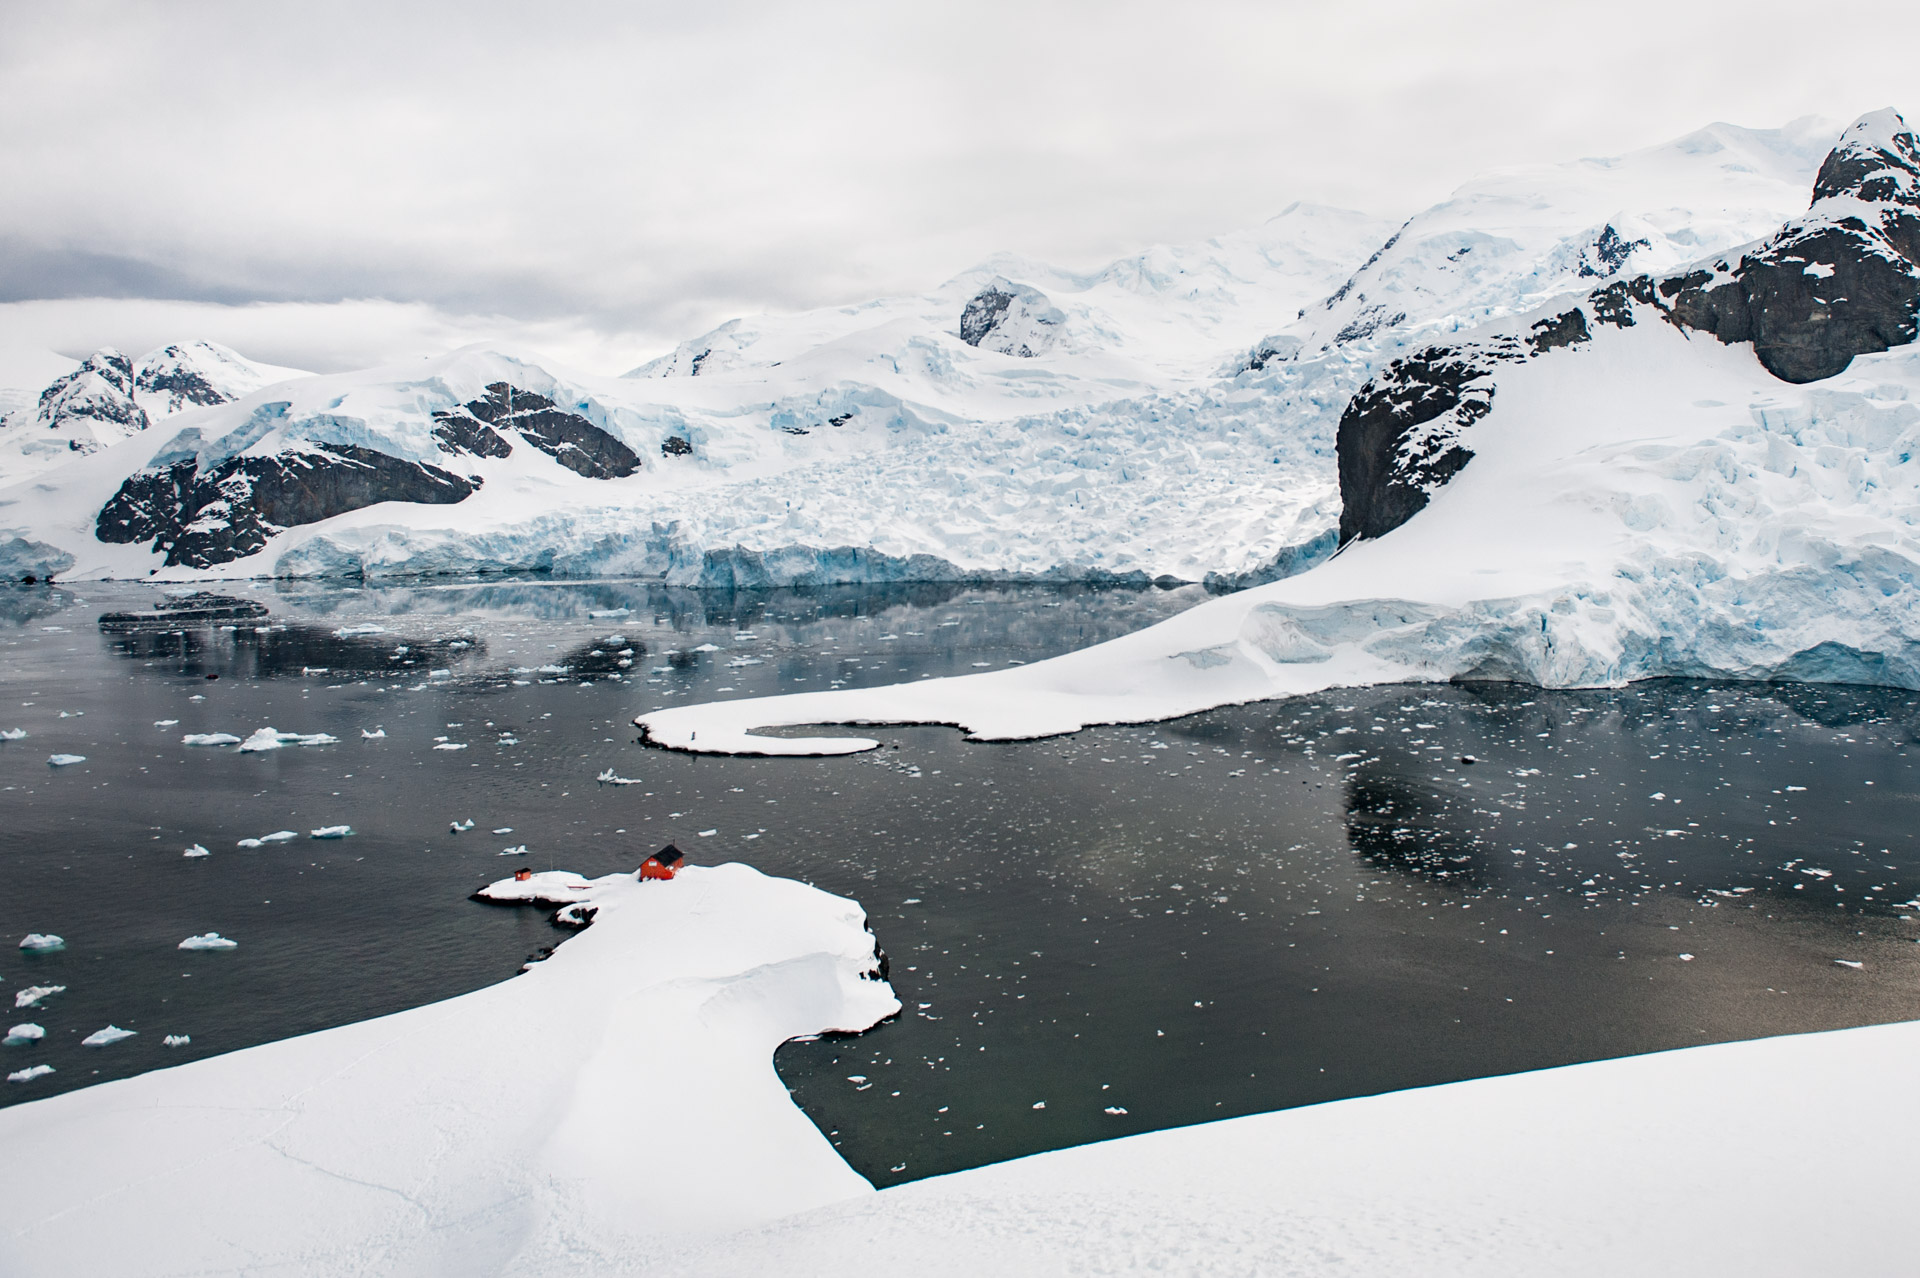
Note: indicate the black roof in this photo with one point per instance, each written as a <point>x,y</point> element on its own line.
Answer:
<point>669,855</point>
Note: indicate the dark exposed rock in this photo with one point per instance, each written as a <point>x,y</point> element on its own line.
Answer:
<point>171,372</point>
<point>568,438</point>
<point>676,446</point>
<point>984,309</point>
<point>1609,252</point>
<point>1012,319</point>
<point>232,510</point>
<point>100,390</point>
<point>1399,436</point>
<point>1840,281</point>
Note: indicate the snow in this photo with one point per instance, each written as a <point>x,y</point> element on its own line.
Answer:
<point>1661,1164</point>
<point>107,1037</point>
<point>42,941</point>
<point>208,941</point>
<point>546,887</point>
<point>577,1118</point>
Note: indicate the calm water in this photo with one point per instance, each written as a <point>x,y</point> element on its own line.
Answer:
<point>1128,929</point>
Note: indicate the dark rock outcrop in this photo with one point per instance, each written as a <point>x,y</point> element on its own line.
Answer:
<point>1399,436</point>
<point>1012,319</point>
<point>1841,280</point>
<point>570,439</point>
<point>231,511</point>
<point>171,372</point>
<point>98,393</point>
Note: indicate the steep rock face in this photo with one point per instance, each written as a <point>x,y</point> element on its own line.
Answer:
<point>568,438</point>
<point>93,406</point>
<point>1399,436</point>
<point>200,519</point>
<point>1840,281</point>
<point>1012,319</point>
<point>196,375</point>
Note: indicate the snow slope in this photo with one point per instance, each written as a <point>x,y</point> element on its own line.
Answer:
<point>578,1115</point>
<point>1639,498</point>
<point>1148,431</point>
<point>1699,1161</point>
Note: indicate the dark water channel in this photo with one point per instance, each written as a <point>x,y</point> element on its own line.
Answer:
<point>1128,929</point>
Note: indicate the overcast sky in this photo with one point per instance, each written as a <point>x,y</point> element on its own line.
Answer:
<point>330,184</point>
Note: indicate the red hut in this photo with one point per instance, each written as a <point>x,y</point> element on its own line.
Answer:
<point>663,864</point>
<point>522,875</point>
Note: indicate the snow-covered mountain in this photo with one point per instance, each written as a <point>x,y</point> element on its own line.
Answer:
<point>1018,421</point>
<point>1713,472</point>
<point>107,398</point>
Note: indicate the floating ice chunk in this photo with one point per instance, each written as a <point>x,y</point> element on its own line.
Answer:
<point>1686,958</point>
<point>208,941</point>
<point>505,829</point>
<point>737,662</point>
<point>42,941</point>
<point>102,1038</point>
<point>34,993</point>
<point>196,850</point>
<point>457,826</point>
<point>1114,1109</point>
<point>330,832</point>
<point>278,836</point>
<point>272,739</point>
<point>451,745</point>
<point>367,628</point>
<point>1855,965</point>
<point>164,723</point>
<point>519,851</point>
<point>708,647</point>
<point>71,714</point>
<point>1039,1104</point>
<point>614,641</point>
<point>177,1040</point>
<point>62,760</point>
<point>552,670</point>
<point>30,1073</point>
<point>26,1033</point>
<point>209,739</point>
<point>13,734</point>
<point>708,833</point>
<point>375,735</point>
<point>610,778</point>
<point>508,739</point>
<point>610,612</point>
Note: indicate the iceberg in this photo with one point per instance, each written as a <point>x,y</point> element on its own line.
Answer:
<point>27,1033</point>
<point>209,739</point>
<point>62,760</point>
<point>271,739</point>
<point>32,994</point>
<point>42,941</point>
<point>30,1073</point>
<point>208,941</point>
<point>13,734</point>
<point>196,850</point>
<point>331,832</point>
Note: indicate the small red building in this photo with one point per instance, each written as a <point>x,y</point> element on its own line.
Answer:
<point>663,864</point>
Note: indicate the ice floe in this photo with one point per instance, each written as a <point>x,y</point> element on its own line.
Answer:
<point>278,836</point>
<point>25,1033</point>
<point>331,832</point>
<point>272,739</point>
<point>13,734</point>
<point>196,850</point>
<point>32,994</point>
<point>176,1040</point>
<point>209,739</point>
<point>30,1073</point>
<point>62,760</point>
<point>107,1037</point>
<point>42,941</point>
<point>208,941</point>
